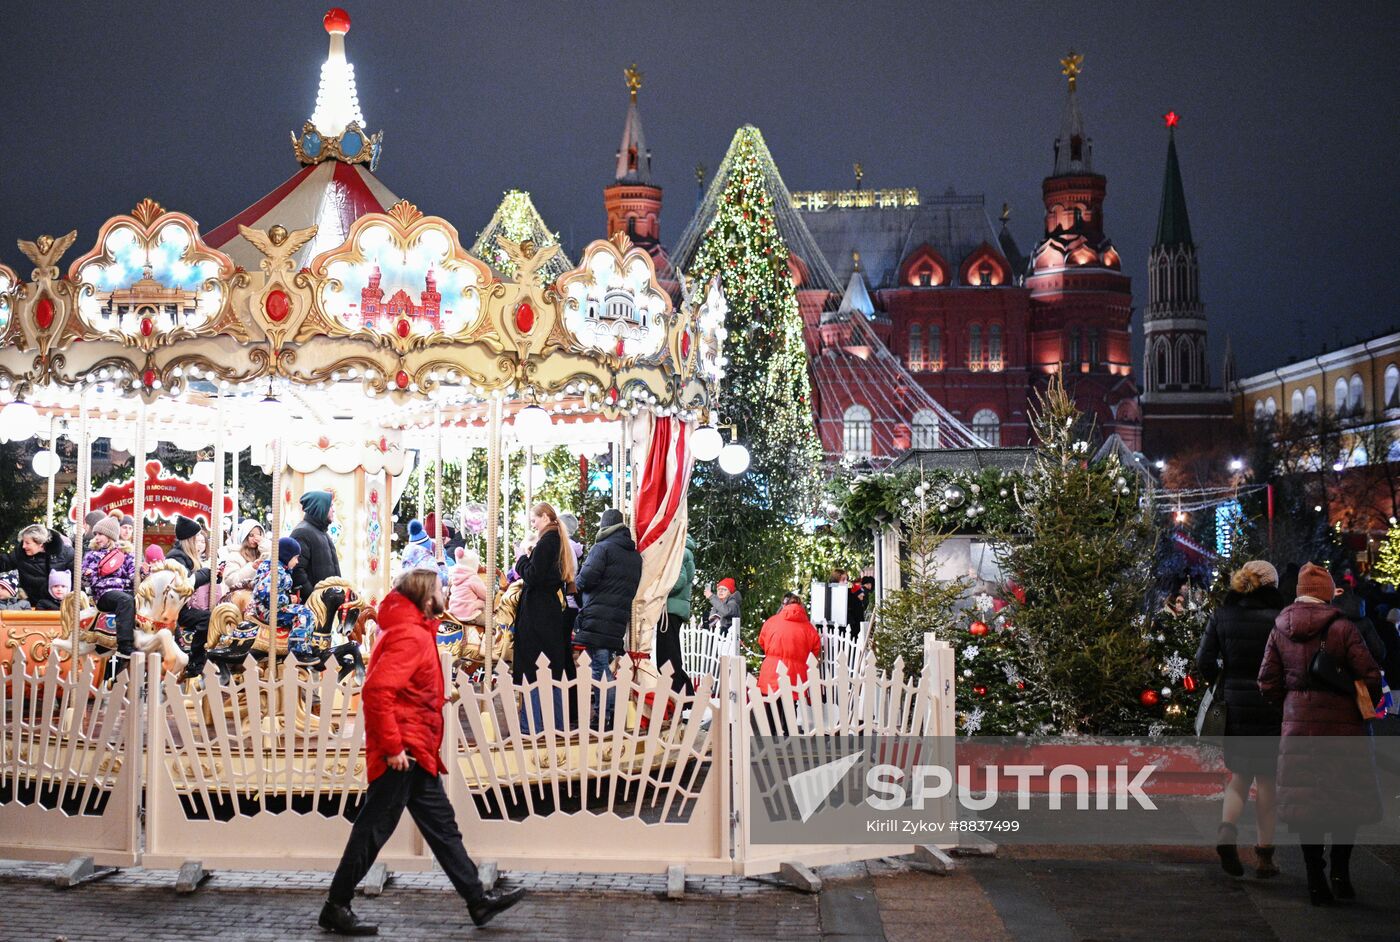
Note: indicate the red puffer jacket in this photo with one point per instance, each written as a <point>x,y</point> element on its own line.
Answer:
<point>788,638</point>
<point>1320,779</point>
<point>403,692</point>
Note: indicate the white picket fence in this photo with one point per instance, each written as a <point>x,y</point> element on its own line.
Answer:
<point>257,774</point>
<point>703,647</point>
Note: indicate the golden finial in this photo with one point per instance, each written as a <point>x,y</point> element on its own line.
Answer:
<point>1072,65</point>
<point>860,173</point>
<point>855,253</point>
<point>1005,213</point>
<point>634,79</point>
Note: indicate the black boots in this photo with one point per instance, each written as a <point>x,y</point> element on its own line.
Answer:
<point>1229,853</point>
<point>342,921</point>
<point>1318,892</point>
<point>1341,872</point>
<point>1266,867</point>
<point>492,905</point>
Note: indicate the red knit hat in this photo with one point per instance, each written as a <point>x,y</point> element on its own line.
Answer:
<point>1316,582</point>
<point>726,584</point>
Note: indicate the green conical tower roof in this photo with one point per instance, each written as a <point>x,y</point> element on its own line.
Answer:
<point>1173,225</point>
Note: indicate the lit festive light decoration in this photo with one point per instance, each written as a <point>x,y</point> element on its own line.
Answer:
<point>532,425</point>
<point>734,458</point>
<point>337,104</point>
<point>46,463</point>
<point>18,421</point>
<point>1171,118</point>
<point>706,443</point>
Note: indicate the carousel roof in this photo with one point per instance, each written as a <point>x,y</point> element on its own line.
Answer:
<point>336,184</point>
<point>329,195</point>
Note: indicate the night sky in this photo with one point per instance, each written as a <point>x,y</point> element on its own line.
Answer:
<point>1288,138</point>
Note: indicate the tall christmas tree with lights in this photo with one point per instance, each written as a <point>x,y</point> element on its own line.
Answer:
<point>752,526</point>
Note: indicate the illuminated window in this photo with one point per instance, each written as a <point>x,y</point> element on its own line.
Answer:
<point>994,358</point>
<point>934,359</point>
<point>1270,408</point>
<point>916,348</point>
<point>925,277</point>
<point>856,432</point>
<point>1355,394</point>
<point>925,428</point>
<point>984,274</point>
<point>1295,405</point>
<point>1258,410</point>
<point>974,347</point>
<point>986,426</point>
<point>1339,397</point>
<point>1392,387</point>
<point>1310,400</point>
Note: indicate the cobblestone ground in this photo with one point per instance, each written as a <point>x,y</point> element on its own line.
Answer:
<point>1058,894</point>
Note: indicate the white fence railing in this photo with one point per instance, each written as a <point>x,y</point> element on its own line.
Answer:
<point>703,647</point>
<point>253,774</point>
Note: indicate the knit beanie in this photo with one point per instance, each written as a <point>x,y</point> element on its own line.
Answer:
<point>93,518</point>
<point>60,577</point>
<point>286,549</point>
<point>128,521</point>
<point>416,534</point>
<point>727,584</point>
<point>185,528</point>
<point>611,518</point>
<point>1254,575</point>
<point>107,527</point>
<point>154,554</point>
<point>570,523</point>
<point>1316,582</point>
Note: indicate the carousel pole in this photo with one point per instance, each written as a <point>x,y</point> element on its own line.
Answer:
<point>276,524</point>
<point>529,477</point>
<point>437,487</point>
<point>84,502</point>
<point>138,499</point>
<point>216,507</point>
<point>53,447</point>
<point>493,509</point>
<point>422,485</point>
<point>503,488</point>
<point>237,456</point>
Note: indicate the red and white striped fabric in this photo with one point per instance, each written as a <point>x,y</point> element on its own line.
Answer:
<point>331,195</point>
<point>660,515</point>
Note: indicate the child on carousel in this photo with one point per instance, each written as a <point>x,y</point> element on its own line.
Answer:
<point>109,573</point>
<point>293,618</point>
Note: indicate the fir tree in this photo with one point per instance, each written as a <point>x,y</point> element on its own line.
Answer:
<point>1388,562</point>
<point>752,526</point>
<point>1081,554</point>
<point>994,697</point>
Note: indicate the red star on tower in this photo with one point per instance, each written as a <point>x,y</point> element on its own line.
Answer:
<point>1171,117</point>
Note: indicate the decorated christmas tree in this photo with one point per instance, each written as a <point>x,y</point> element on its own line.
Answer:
<point>1081,554</point>
<point>994,695</point>
<point>753,526</point>
<point>1388,562</point>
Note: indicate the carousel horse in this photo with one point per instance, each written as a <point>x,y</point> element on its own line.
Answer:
<point>467,641</point>
<point>158,602</point>
<point>233,636</point>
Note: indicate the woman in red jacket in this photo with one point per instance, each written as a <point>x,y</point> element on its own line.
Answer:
<point>403,701</point>
<point>787,638</point>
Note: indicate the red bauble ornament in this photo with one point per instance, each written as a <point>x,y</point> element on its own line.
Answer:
<point>524,317</point>
<point>1189,683</point>
<point>336,20</point>
<point>980,690</point>
<point>401,379</point>
<point>403,327</point>
<point>277,305</point>
<point>148,327</point>
<point>1150,698</point>
<point>978,629</point>
<point>1020,685</point>
<point>44,313</point>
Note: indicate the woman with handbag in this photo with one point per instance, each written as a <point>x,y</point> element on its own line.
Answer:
<point>1232,648</point>
<point>1317,664</point>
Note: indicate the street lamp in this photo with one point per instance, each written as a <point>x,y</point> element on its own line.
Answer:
<point>1236,464</point>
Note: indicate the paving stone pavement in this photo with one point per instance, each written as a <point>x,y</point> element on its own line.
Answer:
<point>1044,894</point>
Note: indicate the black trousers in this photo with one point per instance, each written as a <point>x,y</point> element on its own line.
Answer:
<point>123,606</point>
<point>668,651</point>
<point>194,623</point>
<point>385,801</point>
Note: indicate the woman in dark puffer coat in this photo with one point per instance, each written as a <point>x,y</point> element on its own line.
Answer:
<point>1324,785</point>
<point>1233,646</point>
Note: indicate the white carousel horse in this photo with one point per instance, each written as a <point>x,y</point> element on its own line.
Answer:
<point>158,602</point>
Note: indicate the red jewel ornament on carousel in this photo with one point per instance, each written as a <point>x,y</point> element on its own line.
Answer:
<point>1150,698</point>
<point>336,20</point>
<point>685,345</point>
<point>148,327</point>
<point>401,379</point>
<point>524,317</point>
<point>148,378</point>
<point>277,305</point>
<point>44,313</point>
<point>978,629</point>
<point>621,347</point>
<point>403,327</point>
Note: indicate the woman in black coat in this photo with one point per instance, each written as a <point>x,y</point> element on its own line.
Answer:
<point>1232,649</point>
<point>547,571</point>
<point>38,552</point>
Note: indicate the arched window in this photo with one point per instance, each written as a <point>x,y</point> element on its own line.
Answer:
<point>1356,394</point>
<point>925,429</point>
<point>1392,387</point>
<point>994,359</point>
<point>1074,336</point>
<point>1270,407</point>
<point>1095,341</point>
<point>855,432</point>
<point>987,426</point>
<point>916,347</point>
<point>933,360</point>
<point>1159,375</point>
<point>1295,406</point>
<point>1258,410</point>
<point>1339,397</point>
<point>1310,400</point>
<point>974,347</point>
<point>1183,357</point>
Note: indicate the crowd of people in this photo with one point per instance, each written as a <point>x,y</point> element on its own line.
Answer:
<point>1296,658</point>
